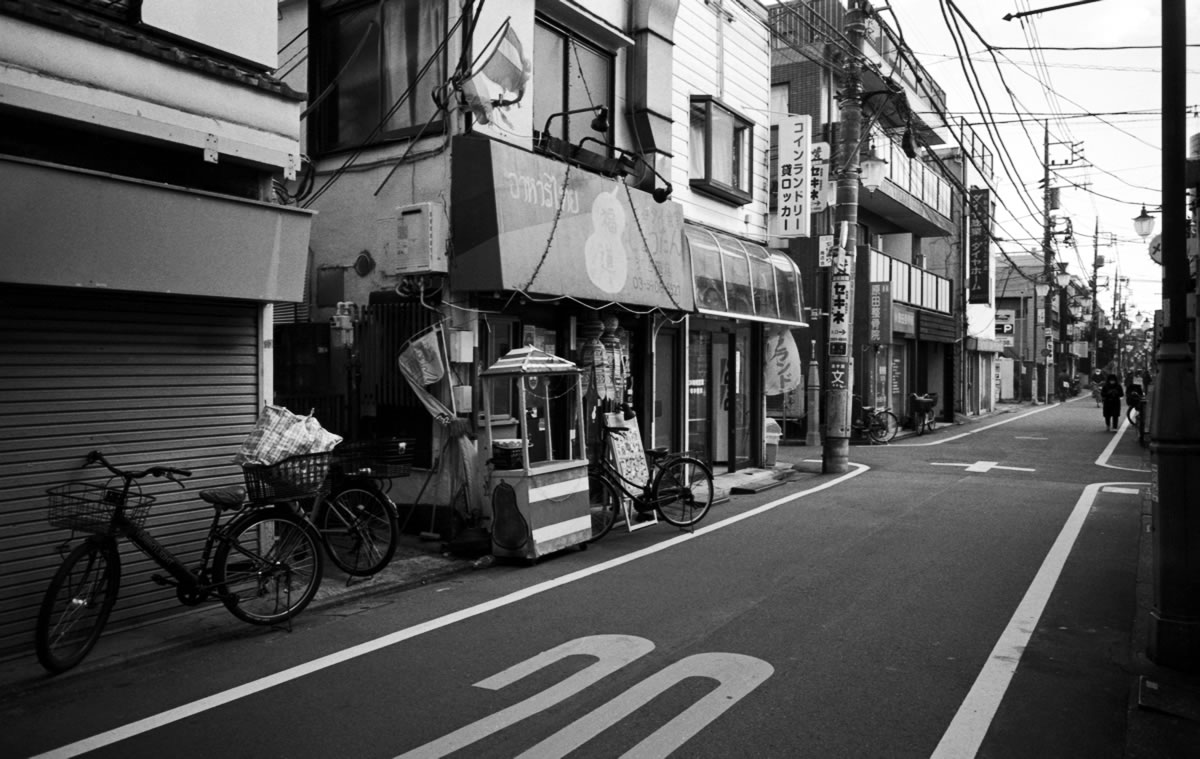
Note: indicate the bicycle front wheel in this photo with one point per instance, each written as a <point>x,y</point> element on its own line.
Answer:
<point>683,491</point>
<point>604,504</point>
<point>360,529</point>
<point>268,566</point>
<point>77,604</point>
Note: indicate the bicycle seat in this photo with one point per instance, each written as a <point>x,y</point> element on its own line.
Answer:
<point>225,498</point>
<point>657,454</point>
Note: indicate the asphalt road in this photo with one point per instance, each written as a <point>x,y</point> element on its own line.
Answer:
<point>956,595</point>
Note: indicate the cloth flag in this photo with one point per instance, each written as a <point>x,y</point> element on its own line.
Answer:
<point>501,79</point>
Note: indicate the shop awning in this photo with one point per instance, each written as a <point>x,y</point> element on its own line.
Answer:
<point>69,227</point>
<point>742,280</point>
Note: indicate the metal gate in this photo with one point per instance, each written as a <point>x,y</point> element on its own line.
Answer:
<point>147,380</point>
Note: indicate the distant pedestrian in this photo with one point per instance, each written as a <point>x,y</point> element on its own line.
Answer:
<point>1111,393</point>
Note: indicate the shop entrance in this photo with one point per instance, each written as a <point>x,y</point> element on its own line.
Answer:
<point>720,397</point>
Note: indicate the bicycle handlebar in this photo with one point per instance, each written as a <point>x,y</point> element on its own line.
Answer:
<point>155,471</point>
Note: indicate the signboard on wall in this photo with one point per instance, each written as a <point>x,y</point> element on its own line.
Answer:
<point>1006,326</point>
<point>880,322</point>
<point>792,217</point>
<point>819,183</point>
<point>979,282</point>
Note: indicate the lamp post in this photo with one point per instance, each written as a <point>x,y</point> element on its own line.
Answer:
<point>1174,639</point>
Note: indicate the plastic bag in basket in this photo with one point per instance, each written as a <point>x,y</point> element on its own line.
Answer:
<point>279,433</point>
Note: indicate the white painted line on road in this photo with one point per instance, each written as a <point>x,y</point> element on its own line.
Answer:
<point>1107,453</point>
<point>983,466</point>
<point>1029,437</point>
<point>962,435</point>
<point>1122,491</point>
<point>185,711</point>
<point>965,734</point>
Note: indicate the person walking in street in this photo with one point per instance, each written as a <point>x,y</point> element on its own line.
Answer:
<point>1111,394</point>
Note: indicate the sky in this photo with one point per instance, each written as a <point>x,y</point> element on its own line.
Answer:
<point>1115,154</point>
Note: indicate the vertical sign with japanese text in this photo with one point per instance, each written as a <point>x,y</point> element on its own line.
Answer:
<point>841,306</point>
<point>979,285</point>
<point>792,215</point>
<point>818,184</point>
<point>880,328</point>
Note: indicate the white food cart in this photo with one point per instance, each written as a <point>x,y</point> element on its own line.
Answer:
<point>537,482</point>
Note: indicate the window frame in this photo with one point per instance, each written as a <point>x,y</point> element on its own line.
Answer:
<point>707,184</point>
<point>560,137</point>
<point>323,138</point>
<point>499,331</point>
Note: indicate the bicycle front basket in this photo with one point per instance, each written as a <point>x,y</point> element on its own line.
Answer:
<point>302,476</point>
<point>384,457</point>
<point>88,507</point>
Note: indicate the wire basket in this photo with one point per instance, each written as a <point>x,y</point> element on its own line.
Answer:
<point>302,476</point>
<point>384,457</point>
<point>924,403</point>
<point>87,507</point>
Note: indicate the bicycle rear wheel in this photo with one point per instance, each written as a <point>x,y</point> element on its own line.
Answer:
<point>268,566</point>
<point>883,427</point>
<point>683,491</point>
<point>77,604</point>
<point>360,529</point>
<point>604,504</point>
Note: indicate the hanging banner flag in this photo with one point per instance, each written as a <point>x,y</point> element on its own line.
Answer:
<point>500,81</point>
<point>792,216</point>
<point>423,362</point>
<point>819,183</point>
<point>784,372</point>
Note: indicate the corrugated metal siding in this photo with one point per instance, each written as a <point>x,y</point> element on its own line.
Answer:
<point>146,379</point>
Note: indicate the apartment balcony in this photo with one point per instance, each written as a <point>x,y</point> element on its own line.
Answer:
<point>912,195</point>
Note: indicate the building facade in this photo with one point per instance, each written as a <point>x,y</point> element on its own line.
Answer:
<point>144,249</point>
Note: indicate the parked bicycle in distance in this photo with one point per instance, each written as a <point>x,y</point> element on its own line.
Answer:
<point>679,488</point>
<point>263,562</point>
<point>924,417</point>
<point>877,424</point>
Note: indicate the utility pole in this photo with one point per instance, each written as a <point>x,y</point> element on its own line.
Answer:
<point>1047,248</point>
<point>1096,263</point>
<point>835,455</point>
<point>1175,405</point>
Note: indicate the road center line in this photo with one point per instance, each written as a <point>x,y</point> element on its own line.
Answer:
<point>962,435</point>
<point>966,731</point>
<point>294,673</point>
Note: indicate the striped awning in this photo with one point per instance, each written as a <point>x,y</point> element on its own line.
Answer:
<point>529,360</point>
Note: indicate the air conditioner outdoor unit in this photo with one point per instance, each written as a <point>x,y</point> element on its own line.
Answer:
<point>413,240</point>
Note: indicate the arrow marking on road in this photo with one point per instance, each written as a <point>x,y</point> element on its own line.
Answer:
<point>984,466</point>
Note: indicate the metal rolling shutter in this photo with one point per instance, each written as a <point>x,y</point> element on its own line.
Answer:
<point>147,380</point>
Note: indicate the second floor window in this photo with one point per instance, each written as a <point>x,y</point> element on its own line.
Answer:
<point>569,74</point>
<point>371,53</point>
<point>721,146</point>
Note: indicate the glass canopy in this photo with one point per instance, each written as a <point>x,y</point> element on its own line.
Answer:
<point>743,280</point>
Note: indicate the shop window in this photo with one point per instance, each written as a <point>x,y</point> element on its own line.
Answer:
<point>570,74</point>
<point>369,53</point>
<point>721,146</point>
<point>501,331</point>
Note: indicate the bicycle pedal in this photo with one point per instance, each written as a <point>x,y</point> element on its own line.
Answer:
<point>158,579</point>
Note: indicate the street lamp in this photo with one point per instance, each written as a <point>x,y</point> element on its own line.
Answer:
<point>873,168</point>
<point>1143,224</point>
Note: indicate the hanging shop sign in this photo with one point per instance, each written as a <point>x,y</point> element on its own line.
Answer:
<point>821,189</point>
<point>979,285</point>
<point>879,324</point>
<point>792,179</point>
<point>524,222</point>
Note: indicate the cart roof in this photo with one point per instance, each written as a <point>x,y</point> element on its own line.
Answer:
<point>529,360</point>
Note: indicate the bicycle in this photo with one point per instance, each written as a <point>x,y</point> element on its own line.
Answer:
<point>1096,395</point>
<point>358,523</point>
<point>679,489</point>
<point>924,418</point>
<point>878,425</point>
<point>264,563</point>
